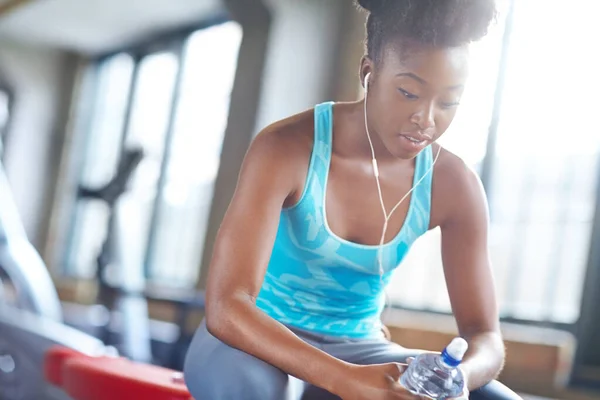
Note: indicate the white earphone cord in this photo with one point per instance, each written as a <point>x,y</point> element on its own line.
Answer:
<point>387,216</point>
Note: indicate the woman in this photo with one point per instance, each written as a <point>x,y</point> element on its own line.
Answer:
<point>296,281</point>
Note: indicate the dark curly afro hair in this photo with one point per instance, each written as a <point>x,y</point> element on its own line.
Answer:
<point>436,23</point>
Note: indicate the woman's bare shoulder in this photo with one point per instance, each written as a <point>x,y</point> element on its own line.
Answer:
<point>455,184</point>
<point>290,136</point>
<point>283,150</point>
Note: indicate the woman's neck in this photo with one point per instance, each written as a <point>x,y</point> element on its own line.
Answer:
<point>350,135</point>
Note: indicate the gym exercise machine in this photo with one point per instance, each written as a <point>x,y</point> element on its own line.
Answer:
<point>30,312</point>
<point>120,276</point>
<point>121,280</point>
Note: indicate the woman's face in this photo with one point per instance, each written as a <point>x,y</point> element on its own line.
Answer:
<point>413,96</point>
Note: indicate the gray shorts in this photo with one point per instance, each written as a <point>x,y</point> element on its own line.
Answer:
<point>215,371</point>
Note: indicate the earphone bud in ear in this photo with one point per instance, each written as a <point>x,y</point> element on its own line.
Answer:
<point>367,82</point>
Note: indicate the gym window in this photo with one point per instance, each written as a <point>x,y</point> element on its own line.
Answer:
<point>171,99</point>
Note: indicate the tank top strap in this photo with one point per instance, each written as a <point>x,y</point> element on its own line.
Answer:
<point>422,193</point>
<point>321,154</point>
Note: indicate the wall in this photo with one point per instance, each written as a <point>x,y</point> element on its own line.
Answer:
<point>303,48</point>
<point>42,81</point>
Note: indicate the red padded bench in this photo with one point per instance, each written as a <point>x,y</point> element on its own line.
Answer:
<point>106,378</point>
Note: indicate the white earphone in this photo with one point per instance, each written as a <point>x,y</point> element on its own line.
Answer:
<point>387,215</point>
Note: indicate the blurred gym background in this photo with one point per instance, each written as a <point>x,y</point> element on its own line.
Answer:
<point>174,91</point>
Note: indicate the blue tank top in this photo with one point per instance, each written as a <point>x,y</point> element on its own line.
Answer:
<point>319,282</point>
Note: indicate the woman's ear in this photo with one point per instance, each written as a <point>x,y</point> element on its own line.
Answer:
<point>366,69</point>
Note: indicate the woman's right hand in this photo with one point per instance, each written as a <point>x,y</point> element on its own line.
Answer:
<point>376,382</point>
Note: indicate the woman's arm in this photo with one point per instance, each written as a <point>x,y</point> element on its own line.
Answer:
<point>240,257</point>
<point>468,275</point>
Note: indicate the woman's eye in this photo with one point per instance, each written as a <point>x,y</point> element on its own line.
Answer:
<point>450,104</point>
<point>408,95</point>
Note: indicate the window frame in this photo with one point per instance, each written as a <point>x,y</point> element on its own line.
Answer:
<point>7,89</point>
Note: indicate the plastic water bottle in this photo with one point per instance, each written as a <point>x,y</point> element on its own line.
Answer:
<point>437,375</point>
